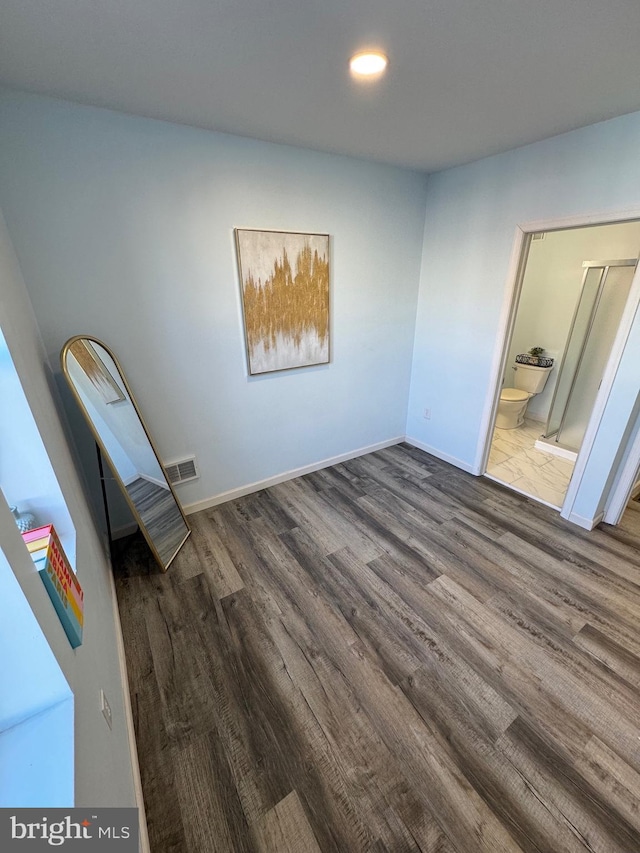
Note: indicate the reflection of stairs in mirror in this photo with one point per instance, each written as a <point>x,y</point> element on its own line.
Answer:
<point>157,508</point>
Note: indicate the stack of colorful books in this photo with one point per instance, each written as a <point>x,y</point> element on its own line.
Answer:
<point>59,579</point>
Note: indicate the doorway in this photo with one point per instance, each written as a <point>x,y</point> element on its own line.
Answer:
<point>570,307</point>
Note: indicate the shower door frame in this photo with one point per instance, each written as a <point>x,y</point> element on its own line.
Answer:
<point>605,266</point>
<point>513,287</point>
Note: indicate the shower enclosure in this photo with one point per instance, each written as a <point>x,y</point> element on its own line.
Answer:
<point>605,287</point>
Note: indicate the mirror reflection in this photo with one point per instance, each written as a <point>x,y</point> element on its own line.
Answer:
<point>105,399</point>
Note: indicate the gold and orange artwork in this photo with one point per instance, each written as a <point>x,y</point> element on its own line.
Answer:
<point>284,278</point>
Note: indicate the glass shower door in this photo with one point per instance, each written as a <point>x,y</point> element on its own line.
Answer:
<point>607,315</point>
<point>571,361</point>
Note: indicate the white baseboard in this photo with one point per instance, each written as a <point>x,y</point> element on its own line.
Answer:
<point>155,481</point>
<point>586,523</point>
<point>149,479</point>
<point>433,451</point>
<point>143,844</point>
<point>240,492</point>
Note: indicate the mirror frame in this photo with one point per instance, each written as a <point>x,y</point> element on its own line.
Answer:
<point>63,360</point>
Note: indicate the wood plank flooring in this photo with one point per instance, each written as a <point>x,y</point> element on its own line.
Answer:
<point>388,655</point>
<point>160,515</point>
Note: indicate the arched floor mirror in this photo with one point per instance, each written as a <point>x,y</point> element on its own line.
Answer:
<point>105,399</point>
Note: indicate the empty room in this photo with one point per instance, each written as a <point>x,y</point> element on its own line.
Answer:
<point>320,426</point>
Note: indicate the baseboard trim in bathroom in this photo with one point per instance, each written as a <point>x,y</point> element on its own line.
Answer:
<point>555,449</point>
<point>522,492</point>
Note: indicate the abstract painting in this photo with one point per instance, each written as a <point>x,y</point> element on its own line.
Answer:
<point>284,278</point>
<point>97,371</point>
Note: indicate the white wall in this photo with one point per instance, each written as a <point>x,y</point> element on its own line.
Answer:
<point>103,772</point>
<point>551,288</point>
<point>471,218</point>
<point>124,228</point>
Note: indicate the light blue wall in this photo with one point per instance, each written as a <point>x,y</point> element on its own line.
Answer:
<point>471,216</point>
<point>36,708</point>
<point>30,678</point>
<point>102,760</point>
<point>124,228</point>
<point>26,476</point>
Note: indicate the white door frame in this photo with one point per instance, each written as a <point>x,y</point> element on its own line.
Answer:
<point>513,287</point>
<point>602,398</point>
<point>619,497</point>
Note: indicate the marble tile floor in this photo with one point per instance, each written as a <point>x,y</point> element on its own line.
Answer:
<point>513,460</point>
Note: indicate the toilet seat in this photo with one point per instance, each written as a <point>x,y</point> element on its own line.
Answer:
<point>514,395</point>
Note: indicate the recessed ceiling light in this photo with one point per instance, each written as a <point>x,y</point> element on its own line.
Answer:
<point>368,64</point>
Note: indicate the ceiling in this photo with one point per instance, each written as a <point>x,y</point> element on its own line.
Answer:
<point>467,78</point>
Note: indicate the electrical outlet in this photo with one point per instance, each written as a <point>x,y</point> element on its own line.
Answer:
<point>106,709</point>
<point>427,414</point>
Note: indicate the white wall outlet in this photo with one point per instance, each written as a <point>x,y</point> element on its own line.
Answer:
<point>106,709</point>
<point>427,414</point>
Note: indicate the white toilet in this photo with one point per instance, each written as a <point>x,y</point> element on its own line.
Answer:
<point>528,380</point>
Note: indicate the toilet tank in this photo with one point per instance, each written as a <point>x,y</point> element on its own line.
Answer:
<point>529,378</point>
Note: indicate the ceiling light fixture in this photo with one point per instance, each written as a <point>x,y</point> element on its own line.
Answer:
<point>369,64</point>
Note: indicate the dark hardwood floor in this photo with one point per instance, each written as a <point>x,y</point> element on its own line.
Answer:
<point>388,655</point>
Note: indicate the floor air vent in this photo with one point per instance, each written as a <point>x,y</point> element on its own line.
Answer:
<point>181,471</point>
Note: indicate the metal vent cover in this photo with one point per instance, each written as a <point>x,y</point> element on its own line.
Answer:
<point>182,470</point>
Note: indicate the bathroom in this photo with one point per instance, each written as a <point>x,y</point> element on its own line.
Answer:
<point>574,289</point>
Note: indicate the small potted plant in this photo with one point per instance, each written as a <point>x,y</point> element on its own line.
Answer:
<point>535,353</point>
